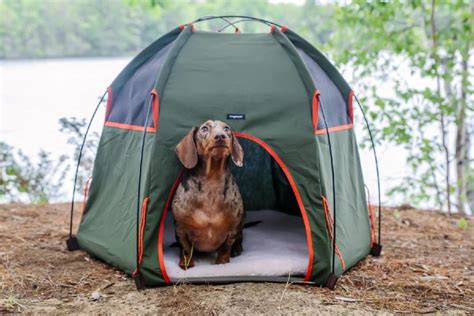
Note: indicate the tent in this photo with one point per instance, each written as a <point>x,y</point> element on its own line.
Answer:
<point>293,114</point>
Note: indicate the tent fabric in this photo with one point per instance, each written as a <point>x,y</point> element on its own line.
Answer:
<point>268,78</point>
<point>263,175</point>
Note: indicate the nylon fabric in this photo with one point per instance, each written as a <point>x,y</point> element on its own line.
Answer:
<point>353,227</point>
<point>268,81</point>
<point>108,225</point>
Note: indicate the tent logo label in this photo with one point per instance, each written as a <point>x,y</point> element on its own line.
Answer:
<point>232,116</point>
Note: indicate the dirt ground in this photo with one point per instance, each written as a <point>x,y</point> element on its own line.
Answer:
<point>427,266</point>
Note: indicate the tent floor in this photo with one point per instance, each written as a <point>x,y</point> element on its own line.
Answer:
<point>275,248</point>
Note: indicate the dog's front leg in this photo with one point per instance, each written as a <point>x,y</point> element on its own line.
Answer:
<point>237,246</point>
<point>223,253</point>
<point>186,257</point>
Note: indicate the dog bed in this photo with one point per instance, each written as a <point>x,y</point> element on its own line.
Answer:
<point>274,247</point>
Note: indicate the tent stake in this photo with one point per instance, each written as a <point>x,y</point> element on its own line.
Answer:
<point>331,281</point>
<point>139,281</point>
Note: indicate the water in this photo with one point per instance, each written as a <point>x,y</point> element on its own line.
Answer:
<point>35,94</point>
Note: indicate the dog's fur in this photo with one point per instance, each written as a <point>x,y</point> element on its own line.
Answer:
<point>207,207</point>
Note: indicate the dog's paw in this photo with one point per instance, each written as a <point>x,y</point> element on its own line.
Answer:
<point>222,260</point>
<point>183,264</point>
<point>236,251</point>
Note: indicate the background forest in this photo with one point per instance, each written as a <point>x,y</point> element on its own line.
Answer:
<point>420,51</point>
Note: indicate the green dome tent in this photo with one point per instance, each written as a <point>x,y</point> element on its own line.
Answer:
<point>292,112</point>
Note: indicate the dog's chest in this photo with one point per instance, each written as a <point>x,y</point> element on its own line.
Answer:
<point>204,203</point>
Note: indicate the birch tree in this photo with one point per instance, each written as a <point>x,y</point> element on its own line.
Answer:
<point>427,41</point>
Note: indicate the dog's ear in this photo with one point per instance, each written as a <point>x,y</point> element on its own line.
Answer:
<point>186,150</point>
<point>237,152</point>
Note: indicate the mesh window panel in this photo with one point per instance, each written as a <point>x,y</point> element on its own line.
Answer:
<point>335,106</point>
<point>128,104</point>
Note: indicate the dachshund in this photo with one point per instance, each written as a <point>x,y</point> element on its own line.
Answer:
<point>207,207</point>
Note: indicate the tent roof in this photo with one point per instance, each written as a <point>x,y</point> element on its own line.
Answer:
<point>222,65</point>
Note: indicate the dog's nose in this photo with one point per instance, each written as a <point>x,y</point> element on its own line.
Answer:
<point>220,137</point>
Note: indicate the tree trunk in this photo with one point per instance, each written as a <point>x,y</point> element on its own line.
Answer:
<point>444,130</point>
<point>469,169</point>
<point>461,137</point>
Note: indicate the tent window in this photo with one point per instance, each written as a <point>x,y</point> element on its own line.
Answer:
<point>337,109</point>
<point>129,104</point>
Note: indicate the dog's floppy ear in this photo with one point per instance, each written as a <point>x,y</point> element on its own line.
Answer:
<point>186,150</point>
<point>237,152</point>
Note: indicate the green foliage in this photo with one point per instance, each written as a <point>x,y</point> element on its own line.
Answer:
<point>391,45</point>
<point>386,45</point>
<point>462,223</point>
<point>75,128</point>
<point>35,29</point>
<point>73,28</point>
<point>22,180</point>
<point>41,180</point>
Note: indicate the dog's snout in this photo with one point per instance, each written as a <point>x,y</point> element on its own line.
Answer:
<point>220,137</point>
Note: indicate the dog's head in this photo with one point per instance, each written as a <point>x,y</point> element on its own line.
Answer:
<point>211,140</point>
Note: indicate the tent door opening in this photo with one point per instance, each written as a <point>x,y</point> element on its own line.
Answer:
<point>273,249</point>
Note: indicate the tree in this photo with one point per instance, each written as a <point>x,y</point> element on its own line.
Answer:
<point>425,50</point>
<point>22,180</point>
<point>75,129</point>
<point>42,180</point>
<point>36,29</point>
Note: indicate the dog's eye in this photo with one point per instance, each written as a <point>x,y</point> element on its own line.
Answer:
<point>226,129</point>
<point>204,129</point>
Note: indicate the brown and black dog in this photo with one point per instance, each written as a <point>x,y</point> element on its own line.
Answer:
<point>207,207</point>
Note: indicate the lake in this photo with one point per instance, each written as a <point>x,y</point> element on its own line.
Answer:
<point>35,94</point>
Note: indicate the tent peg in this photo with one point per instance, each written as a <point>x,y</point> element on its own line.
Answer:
<point>139,281</point>
<point>376,250</point>
<point>331,281</point>
<point>72,243</point>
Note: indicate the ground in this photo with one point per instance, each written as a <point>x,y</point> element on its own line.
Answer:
<point>427,266</point>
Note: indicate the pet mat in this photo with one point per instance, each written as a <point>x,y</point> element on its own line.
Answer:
<point>275,247</point>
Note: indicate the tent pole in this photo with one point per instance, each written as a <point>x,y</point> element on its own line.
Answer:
<point>139,282</point>
<point>234,24</point>
<point>376,249</point>
<point>213,17</point>
<point>331,282</point>
<point>72,241</point>
<point>229,22</point>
